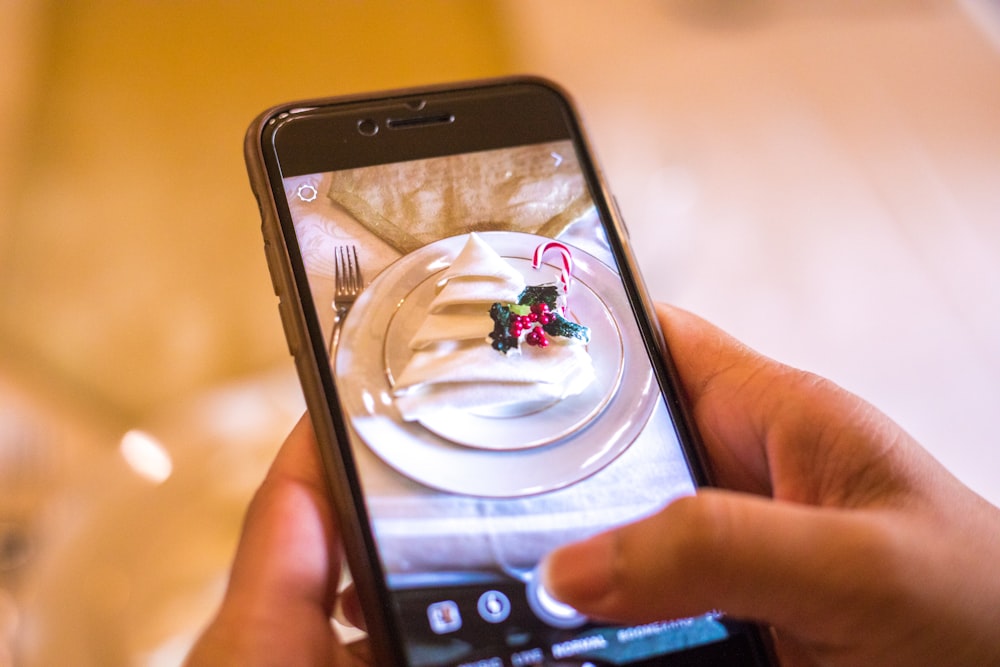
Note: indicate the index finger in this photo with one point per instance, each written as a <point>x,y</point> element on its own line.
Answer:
<point>774,430</point>
<point>726,386</point>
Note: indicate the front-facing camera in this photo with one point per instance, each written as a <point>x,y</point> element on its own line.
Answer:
<point>368,127</point>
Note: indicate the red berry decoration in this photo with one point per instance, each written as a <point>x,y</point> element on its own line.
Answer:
<point>536,337</point>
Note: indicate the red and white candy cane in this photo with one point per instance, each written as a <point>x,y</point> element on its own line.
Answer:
<point>565,275</point>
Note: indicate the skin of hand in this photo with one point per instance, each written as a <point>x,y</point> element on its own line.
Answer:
<point>283,585</point>
<point>839,531</point>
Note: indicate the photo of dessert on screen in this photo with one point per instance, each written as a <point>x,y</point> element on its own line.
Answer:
<point>492,344</point>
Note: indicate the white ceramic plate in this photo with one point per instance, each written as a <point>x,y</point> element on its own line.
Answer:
<point>591,433</point>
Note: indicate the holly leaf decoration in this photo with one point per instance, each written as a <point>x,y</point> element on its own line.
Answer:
<point>532,294</point>
<point>560,326</point>
<point>503,340</point>
<point>533,319</point>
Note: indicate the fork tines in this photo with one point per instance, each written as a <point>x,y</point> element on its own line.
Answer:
<point>347,270</point>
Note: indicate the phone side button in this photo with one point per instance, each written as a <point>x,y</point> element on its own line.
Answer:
<point>272,265</point>
<point>286,324</point>
<point>621,218</point>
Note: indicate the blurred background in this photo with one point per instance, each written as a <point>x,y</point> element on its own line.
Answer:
<point>820,178</point>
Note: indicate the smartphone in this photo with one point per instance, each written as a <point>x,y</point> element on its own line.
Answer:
<point>481,366</point>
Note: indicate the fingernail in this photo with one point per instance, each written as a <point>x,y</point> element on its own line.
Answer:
<point>340,615</point>
<point>582,573</point>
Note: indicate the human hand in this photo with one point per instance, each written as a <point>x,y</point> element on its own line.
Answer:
<point>840,532</point>
<point>283,585</point>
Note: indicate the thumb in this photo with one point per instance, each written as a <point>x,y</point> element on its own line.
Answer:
<point>781,564</point>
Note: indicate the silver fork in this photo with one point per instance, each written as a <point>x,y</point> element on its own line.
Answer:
<point>348,284</point>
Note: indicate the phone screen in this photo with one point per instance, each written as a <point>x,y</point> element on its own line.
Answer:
<point>499,393</point>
